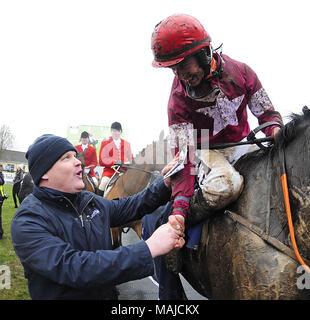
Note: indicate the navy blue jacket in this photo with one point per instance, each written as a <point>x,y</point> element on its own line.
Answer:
<point>65,246</point>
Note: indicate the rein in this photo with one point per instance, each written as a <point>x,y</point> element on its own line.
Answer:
<point>136,168</point>
<point>250,138</point>
<point>233,144</point>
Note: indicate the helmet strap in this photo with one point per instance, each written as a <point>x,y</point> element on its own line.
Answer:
<point>204,89</point>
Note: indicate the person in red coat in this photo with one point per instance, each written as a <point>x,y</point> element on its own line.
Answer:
<point>90,157</point>
<point>113,151</point>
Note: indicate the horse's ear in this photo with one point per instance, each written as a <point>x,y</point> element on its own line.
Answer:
<point>306,111</point>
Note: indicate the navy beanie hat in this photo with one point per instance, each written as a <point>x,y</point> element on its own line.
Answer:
<point>44,152</point>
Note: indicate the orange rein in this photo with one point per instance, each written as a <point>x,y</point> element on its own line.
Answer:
<point>290,222</point>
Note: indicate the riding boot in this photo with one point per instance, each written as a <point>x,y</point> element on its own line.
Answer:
<point>100,192</point>
<point>200,210</point>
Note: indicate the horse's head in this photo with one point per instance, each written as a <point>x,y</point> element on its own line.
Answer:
<point>145,167</point>
<point>81,156</point>
<point>87,183</point>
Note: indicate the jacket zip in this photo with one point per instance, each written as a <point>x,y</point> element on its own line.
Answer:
<point>88,202</point>
<point>80,215</point>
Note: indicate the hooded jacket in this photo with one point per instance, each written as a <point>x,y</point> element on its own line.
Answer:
<point>64,242</point>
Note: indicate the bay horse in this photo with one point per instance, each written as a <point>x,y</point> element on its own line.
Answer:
<point>233,261</point>
<point>146,166</point>
<point>89,185</point>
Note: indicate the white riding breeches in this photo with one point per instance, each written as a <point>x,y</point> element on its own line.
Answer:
<point>219,181</point>
<point>103,183</point>
<point>95,180</point>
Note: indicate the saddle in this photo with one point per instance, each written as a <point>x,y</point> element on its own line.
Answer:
<point>111,183</point>
<point>91,181</point>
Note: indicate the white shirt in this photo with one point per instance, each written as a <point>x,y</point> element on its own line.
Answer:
<point>84,146</point>
<point>117,143</point>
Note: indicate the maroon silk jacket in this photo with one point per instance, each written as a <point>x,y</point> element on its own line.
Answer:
<point>223,113</point>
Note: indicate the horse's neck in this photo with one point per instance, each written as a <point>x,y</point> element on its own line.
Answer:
<point>135,180</point>
<point>260,201</point>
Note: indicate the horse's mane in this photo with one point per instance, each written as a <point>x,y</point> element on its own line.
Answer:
<point>290,131</point>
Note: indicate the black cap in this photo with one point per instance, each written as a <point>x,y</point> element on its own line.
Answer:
<point>116,126</point>
<point>84,134</point>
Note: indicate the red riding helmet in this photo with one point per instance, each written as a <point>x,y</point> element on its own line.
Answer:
<point>175,38</point>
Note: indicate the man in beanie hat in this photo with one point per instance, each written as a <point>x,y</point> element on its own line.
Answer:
<point>44,152</point>
<point>113,152</point>
<point>90,157</point>
<point>61,233</point>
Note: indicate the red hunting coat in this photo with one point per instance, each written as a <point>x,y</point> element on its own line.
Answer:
<point>109,153</point>
<point>90,158</point>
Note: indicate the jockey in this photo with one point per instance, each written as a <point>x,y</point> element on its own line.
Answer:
<point>113,152</point>
<point>90,157</point>
<point>208,100</point>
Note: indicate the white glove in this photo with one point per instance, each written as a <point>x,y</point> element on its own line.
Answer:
<point>86,170</point>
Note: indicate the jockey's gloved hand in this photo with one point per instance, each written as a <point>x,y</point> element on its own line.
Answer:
<point>86,170</point>
<point>118,163</point>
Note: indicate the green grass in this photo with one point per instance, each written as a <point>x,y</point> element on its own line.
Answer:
<point>19,289</point>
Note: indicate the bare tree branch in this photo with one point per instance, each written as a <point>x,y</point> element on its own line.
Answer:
<point>6,137</point>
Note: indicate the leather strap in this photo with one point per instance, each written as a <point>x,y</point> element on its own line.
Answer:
<point>269,239</point>
<point>251,135</point>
